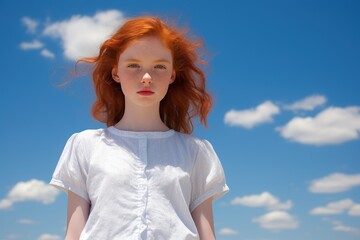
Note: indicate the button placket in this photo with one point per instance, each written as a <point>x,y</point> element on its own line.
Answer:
<point>141,185</point>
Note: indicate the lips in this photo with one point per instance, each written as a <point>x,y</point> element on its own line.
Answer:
<point>145,92</point>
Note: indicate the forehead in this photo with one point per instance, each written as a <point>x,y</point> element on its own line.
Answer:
<point>146,47</point>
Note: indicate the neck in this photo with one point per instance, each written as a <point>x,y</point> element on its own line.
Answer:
<point>142,119</point>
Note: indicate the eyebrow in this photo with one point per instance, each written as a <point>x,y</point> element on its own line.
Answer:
<point>156,61</point>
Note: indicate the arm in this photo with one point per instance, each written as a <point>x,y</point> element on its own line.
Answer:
<point>78,212</point>
<point>204,221</point>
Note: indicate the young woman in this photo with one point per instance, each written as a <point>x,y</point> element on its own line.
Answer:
<point>143,176</point>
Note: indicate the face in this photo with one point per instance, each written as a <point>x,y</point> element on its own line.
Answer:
<point>145,71</point>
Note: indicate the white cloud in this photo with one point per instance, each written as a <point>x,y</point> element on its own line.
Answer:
<point>277,220</point>
<point>5,203</point>
<point>339,226</point>
<point>26,221</point>
<point>334,125</point>
<point>30,24</point>
<point>354,210</point>
<point>333,208</point>
<point>49,237</point>
<point>32,190</point>
<point>264,199</point>
<point>346,229</point>
<point>324,211</point>
<point>334,183</point>
<point>81,36</point>
<point>249,118</point>
<point>228,231</point>
<point>46,53</point>
<point>12,236</point>
<point>35,44</point>
<point>308,103</point>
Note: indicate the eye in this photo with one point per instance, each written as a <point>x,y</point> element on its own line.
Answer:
<point>133,65</point>
<point>163,67</point>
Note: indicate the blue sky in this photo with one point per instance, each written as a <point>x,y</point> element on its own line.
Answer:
<point>286,120</point>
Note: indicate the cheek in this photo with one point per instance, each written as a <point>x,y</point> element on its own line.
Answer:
<point>128,75</point>
<point>161,76</point>
<point>127,82</point>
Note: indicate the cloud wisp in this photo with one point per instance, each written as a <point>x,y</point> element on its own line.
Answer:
<point>35,44</point>
<point>32,190</point>
<point>250,118</point>
<point>307,104</point>
<point>335,183</point>
<point>46,53</point>
<point>348,229</point>
<point>340,227</point>
<point>30,24</point>
<point>26,221</point>
<point>338,208</point>
<point>47,236</point>
<point>228,231</point>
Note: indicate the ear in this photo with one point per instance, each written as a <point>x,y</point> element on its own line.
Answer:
<point>115,75</point>
<point>173,76</point>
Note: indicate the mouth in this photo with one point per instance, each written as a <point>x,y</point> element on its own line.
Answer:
<point>145,92</point>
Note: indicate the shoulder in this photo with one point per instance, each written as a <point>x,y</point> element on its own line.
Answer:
<point>194,142</point>
<point>86,137</point>
<point>90,133</point>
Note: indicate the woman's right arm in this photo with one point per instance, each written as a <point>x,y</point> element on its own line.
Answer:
<point>77,215</point>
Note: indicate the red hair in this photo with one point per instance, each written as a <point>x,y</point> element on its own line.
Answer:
<point>186,98</point>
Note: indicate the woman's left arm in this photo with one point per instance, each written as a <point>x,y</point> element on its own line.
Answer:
<point>204,220</point>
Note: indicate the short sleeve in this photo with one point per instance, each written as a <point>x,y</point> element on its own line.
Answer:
<point>70,173</point>
<point>207,178</point>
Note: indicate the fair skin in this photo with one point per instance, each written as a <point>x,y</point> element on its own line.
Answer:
<point>145,71</point>
<point>77,214</point>
<point>145,65</point>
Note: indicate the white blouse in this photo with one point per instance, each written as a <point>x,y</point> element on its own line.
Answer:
<point>141,185</point>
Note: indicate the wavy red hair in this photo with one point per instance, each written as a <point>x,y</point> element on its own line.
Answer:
<point>187,96</point>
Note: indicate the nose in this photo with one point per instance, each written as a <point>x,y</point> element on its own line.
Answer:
<point>146,79</point>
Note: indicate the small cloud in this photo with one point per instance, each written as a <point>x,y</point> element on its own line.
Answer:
<point>277,220</point>
<point>26,221</point>
<point>12,237</point>
<point>308,103</point>
<point>81,36</point>
<point>249,118</point>
<point>334,183</point>
<point>343,228</point>
<point>265,199</point>
<point>32,190</point>
<point>339,226</point>
<point>35,44</point>
<point>333,208</point>
<point>324,211</point>
<point>334,125</point>
<point>47,236</point>
<point>5,203</point>
<point>30,24</point>
<point>228,231</point>
<point>354,210</point>
<point>46,53</point>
